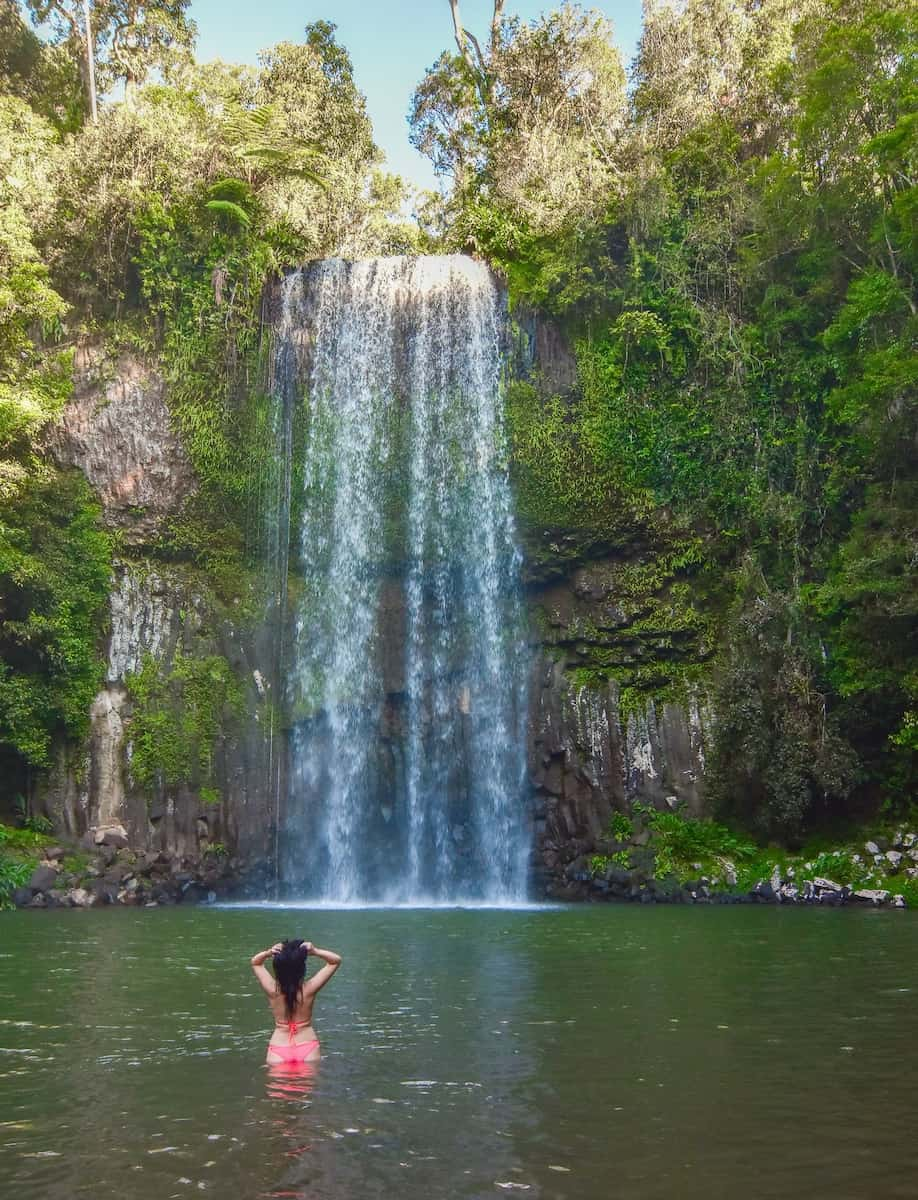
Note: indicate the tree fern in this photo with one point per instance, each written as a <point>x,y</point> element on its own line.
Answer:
<point>260,136</point>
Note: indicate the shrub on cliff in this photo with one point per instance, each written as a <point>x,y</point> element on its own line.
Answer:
<point>55,569</point>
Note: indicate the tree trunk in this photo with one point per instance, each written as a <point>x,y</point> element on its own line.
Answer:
<point>90,63</point>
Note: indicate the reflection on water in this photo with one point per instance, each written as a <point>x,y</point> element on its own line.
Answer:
<point>291,1125</point>
<point>580,1053</point>
<point>294,1080</point>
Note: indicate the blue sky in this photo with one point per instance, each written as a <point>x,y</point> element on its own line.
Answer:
<point>391,42</point>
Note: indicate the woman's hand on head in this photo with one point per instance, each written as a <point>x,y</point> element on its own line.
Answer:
<point>277,947</point>
<point>308,947</point>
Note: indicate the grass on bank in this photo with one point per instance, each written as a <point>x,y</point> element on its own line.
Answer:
<point>684,848</point>
<point>20,848</point>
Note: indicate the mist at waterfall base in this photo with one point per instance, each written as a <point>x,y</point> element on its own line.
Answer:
<point>407,664</point>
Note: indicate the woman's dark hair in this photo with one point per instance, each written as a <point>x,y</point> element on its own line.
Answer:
<point>289,971</point>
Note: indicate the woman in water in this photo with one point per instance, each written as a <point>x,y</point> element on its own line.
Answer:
<point>291,996</point>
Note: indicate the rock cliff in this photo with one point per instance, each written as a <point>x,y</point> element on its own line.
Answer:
<point>214,797</point>
<point>116,429</point>
<point>617,711</point>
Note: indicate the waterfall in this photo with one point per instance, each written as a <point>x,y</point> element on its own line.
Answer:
<point>407,668</point>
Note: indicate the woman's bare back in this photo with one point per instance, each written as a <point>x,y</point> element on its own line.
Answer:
<point>302,1014</point>
<point>293,1038</point>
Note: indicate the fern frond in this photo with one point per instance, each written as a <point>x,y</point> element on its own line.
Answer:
<point>226,208</point>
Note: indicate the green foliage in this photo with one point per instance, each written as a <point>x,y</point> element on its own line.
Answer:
<point>131,38</point>
<point>54,560</point>
<point>20,51</point>
<point>178,716</point>
<point>685,849</point>
<point>14,873</point>
<point>19,848</point>
<point>34,382</point>
<point>601,862</point>
<point>679,842</point>
<point>231,199</point>
<point>777,749</point>
<point>260,136</point>
<point>44,76</point>
<point>55,567</point>
<point>23,839</point>
<point>740,293</point>
<point>230,212</point>
<point>216,546</point>
<point>557,479</point>
<point>525,124</point>
<point>682,847</point>
<point>620,826</point>
<point>868,604</point>
<point>211,349</point>
<point>38,824</point>
<point>844,861</point>
<point>76,863</point>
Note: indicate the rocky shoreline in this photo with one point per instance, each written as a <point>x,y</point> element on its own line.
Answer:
<point>103,870</point>
<point>626,871</point>
<point>818,891</point>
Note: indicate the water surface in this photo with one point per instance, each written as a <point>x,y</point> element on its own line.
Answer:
<point>578,1052</point>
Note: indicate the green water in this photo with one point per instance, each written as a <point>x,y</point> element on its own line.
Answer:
<point>590,1052</point>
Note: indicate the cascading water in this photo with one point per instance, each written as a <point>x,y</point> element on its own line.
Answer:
<point>408,667</point>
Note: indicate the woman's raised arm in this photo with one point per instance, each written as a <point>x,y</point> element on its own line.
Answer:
<point>332,963</point>
<point>265,978</point>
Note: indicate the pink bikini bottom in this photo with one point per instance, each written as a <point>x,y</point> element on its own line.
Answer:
<point>293,1053</point>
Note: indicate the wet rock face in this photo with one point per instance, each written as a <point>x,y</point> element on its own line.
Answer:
<point>540,346</point>
<point>146,618</point>
<point>616,639</point>
<point>106,757</point>
<point>613,719</point>
<point>587,760</point>
<point>91,794</point>
<point>116,429</point>
<point>620,615</point>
